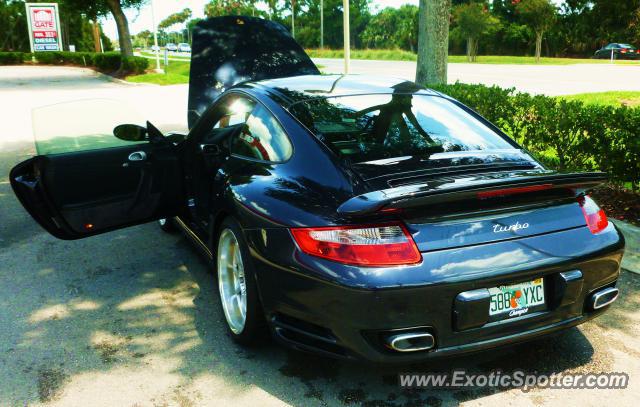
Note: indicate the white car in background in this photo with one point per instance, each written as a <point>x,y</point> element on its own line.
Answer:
<point>184,47</point>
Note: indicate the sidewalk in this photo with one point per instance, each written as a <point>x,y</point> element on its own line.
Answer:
<point>631,259</point>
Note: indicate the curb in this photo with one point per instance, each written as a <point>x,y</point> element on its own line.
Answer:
<point>120,81</point>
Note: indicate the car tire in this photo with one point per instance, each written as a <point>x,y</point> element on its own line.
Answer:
<point>237,288</point>
<point>168,225</point>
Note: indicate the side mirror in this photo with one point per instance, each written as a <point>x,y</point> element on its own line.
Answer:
<point>130,132</point>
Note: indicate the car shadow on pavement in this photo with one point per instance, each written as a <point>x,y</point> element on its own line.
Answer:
<point>133,317</point>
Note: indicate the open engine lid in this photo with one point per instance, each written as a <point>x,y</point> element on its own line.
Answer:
<point>233,49</point>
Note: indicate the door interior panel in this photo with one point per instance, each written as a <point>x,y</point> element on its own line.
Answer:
<point>80,194</point>
<point>93,176</point>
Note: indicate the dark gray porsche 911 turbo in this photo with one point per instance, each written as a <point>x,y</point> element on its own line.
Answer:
<point>354,216</point>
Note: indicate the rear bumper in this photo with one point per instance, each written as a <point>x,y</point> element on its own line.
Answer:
<point>312,305</point>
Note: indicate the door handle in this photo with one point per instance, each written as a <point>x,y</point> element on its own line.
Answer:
<point>209,149</point>
<point>138,156</point>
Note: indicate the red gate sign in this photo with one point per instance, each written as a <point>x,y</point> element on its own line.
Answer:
<point>44,26</point>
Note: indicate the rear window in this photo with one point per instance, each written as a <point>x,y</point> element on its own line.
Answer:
<point>626,46</point>
<point>373,127</point>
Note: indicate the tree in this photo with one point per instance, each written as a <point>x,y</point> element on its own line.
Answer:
<point>308,22</point>
<point>433,41</point>
<point>393,28</point>
<point>175,18</point>
<point>380,32</point>
<point>474,20</point>
<point>14,26</point>
<point>539,15</point>
<point>216,8</point>
<point>94,8</point>
<point>143,39</point>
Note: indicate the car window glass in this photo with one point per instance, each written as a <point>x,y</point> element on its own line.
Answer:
<point>235,110</point>
<point>262,138</point>
<point>57,130</point>
<point>372,127</point>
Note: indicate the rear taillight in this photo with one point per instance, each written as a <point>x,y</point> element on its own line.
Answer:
<point>494,193</point>
<point>595,217</point>
<point>367,245</point>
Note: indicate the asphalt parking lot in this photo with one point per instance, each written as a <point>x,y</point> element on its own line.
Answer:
<point>131,317</point>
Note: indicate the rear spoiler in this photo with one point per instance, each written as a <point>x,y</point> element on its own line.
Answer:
<point>436,192</point>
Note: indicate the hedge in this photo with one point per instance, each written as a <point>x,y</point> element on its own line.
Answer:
<point>11,58</point>
<point>107,62</point>
<point>565,135</point>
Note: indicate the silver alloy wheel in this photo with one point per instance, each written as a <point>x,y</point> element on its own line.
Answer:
<point>231,281</point>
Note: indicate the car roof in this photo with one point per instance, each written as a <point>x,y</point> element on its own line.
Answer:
<point>295,88</point>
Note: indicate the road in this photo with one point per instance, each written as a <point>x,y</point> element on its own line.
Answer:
<point>130,318</point>
<point>550,80</point>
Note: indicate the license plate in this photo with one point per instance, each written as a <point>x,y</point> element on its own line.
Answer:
<point>515,300</point>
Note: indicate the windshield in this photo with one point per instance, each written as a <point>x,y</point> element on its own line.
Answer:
<point>372,127</point>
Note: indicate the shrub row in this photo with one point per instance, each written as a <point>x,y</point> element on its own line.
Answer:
<point>565,135</point>
<point>108,61</point>
<point>11,58</point>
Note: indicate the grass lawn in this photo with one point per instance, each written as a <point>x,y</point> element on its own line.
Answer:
<point>521,60</point>
<point>175,73</point>
<point>613,98</point>
<point>153,55</point>
<point>400,55</point>
<point>378,54</point>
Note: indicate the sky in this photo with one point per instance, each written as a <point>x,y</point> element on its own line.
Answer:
<point>140,20</point>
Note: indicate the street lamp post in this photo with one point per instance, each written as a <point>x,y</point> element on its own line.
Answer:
<point>155,37</point>
<point>347,45</point>
<point>293,18</point>
<point>321,24</point>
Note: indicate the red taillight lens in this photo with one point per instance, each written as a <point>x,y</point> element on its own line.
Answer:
<point>595,217</point>
<point>512,191</point>
<point>368,245</point>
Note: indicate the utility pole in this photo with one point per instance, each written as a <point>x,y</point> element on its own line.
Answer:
<point>347,37</point>
<point>293,18</point>
<point>155,37</point>
<point>321,24</point>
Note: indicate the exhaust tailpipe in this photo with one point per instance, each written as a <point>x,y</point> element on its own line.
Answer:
<point>603,297</point>
<point>410,342</point>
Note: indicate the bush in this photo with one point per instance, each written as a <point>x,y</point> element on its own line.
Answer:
<point>64,58</point>
<point>11,58</point>
<point>108,61</point>
<point>135,65</point>
<point>48,58</point>
<point>566,135</point>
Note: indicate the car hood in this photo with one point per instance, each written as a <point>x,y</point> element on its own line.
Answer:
<point>233,49</point>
